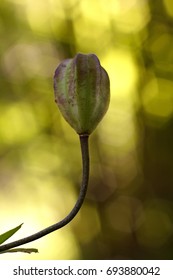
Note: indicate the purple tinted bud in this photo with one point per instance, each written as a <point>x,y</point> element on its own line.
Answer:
<point>82,91</point>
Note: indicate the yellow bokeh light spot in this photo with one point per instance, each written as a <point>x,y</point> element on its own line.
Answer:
<point>17,123</point>
<point>158,98</point>
<point>122,71</point>
<point>93,11</point>
<point>39,15</point>
<point>134,18</point>
<point>169,7</point>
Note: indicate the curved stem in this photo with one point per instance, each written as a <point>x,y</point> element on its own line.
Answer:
<point>74,211</point>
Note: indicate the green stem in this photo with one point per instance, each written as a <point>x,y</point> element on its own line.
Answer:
<point>74,211</point>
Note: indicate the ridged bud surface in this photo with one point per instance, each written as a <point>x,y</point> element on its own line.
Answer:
<point>82,91</point>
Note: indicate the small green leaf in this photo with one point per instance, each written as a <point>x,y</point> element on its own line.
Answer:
<point>21,250</point>
<point>8,234</point>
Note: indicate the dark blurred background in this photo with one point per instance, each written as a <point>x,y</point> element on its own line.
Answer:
<point>128,212</point>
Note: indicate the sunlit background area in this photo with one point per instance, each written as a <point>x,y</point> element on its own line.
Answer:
<point>128,211</point>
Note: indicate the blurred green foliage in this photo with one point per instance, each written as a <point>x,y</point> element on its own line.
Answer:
<point>128,213</point>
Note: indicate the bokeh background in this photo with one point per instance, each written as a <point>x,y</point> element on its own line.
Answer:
<point>128,212</point>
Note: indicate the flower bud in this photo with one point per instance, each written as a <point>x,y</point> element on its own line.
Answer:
<point>82,91</point>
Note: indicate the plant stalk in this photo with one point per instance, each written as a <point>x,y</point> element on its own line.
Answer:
<point>83,189</point>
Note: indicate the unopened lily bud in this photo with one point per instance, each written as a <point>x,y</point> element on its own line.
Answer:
<point>82,91</point>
